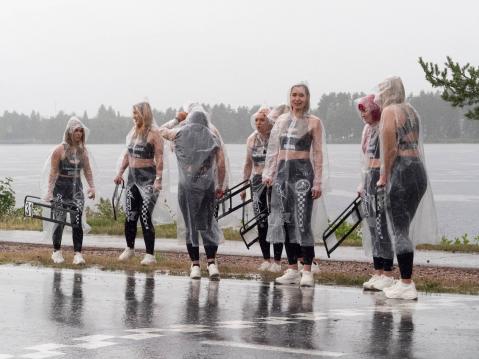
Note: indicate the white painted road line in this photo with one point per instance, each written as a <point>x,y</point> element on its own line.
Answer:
<point>94,341</point>
<point>272,348</point>
<point>44,351</point>
<point>5,356</point>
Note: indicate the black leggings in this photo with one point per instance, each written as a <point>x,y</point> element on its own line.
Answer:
<point>69,190</point>
<point>408,185</point>
<point>194,252</point>
<point>261,195</point>
<point>295,251</point>
<point>137,208</point>
<point>383,264</point>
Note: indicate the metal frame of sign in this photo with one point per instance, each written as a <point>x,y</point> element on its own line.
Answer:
<point>352,209</point>
<point>224,205</point>
<point>115,199</point>
<point>30,202</point>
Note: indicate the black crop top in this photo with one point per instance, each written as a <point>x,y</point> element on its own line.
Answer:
<point>408,133</point>
<point>372,151</point>
<point>259,151</point>
<point>290,140</point>
<point>142,149</point>
<point>70,166</point>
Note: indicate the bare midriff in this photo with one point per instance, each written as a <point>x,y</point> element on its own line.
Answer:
<point>140,162</point>
<point>285,155</point>
<point>408,153</point>
<point>258,169</point>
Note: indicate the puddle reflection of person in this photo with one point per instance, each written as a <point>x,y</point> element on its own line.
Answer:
<point>67,309</point>
<point>139,310</point>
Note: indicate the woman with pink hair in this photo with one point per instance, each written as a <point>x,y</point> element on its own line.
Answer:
<point>376,239</point>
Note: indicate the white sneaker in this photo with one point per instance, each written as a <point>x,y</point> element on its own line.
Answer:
<point>264,266</point>
<point>57,257</point>
<point>382,282</point>
<point>307,279</point>
<point>401,290</point>
<point>78,258</point>
<point>195,272</point>
<point>126,254</point>
<point>274,268</point>
<point>290,276</point>
<point>369,283</point>
<point>213,272</point>
<point>148,259</point>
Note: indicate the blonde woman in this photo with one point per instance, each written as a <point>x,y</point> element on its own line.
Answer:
<point>69,161</point>
<point>144,161</point>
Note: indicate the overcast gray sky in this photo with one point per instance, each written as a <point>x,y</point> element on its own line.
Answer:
<point>75,55</point>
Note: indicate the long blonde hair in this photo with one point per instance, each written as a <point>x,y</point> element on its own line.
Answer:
<point>72,124</point>
<point>144,110</point>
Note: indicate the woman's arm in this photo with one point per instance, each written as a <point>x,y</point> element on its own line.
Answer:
<point>54,170</point>
<point>221,167</point>
<point>158,142</point>
<point>273,151</point>
<point>388,143</point>
<point>248,164</point>
<point>88,175</point>
<point>317,133</point>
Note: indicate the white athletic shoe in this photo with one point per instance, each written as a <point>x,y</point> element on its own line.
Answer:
<point>148,259</point>
<point>307,279</point>
<point>126,254</point>
<point>213,272</point>
<point>369,283</point>
<point>264,266</point>
<point>382,282</point>
<point>78,258</point>
<point>401,290</point>
<point>290,276</point>
<point>195,272</point>
<point>57,257</point>
<point>274,268</point>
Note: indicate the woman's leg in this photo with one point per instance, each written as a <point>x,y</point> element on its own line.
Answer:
<point>133,204</point>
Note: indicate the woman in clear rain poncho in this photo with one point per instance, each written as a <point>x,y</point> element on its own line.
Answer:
<point>376,239</point>
<point>256,147</point>
<point>296,168</point>
<point>409,204</point>
<point>65,167</point>
<point>144,160</point>
<point>202,172</point>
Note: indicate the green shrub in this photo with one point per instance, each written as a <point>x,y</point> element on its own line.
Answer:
<point>7,197</point>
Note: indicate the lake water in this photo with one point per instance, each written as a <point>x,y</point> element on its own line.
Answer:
<point>453,170</point>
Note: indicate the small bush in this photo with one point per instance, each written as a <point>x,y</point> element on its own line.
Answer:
<point>7,197</point>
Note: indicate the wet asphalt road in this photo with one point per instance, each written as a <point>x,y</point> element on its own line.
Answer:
<point>48,313</point>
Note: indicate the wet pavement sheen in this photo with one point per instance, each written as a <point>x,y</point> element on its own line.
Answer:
<point>48,313</point>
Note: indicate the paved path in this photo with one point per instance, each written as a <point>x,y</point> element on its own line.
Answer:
<point>89,313</point>
<point>343,253</point>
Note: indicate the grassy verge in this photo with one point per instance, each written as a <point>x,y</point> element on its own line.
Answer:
<point>428,279</point>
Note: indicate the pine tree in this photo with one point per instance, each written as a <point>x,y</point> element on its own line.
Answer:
<point>460,84</point>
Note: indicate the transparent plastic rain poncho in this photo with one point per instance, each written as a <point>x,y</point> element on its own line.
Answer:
<point>201,168</point>
<point>410,209</point>
<point>375,236</point>
<point>66,173</point>
<point>292,207</point>
<point>145,157</point>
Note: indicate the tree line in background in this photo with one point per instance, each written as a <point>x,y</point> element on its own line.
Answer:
<point>441,122</point>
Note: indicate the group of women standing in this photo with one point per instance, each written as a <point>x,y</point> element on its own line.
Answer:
<point>287,163</point>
